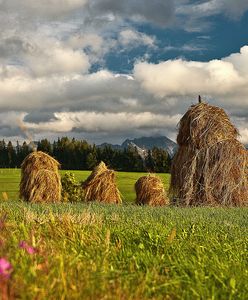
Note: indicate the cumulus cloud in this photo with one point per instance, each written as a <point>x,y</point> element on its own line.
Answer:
<point>100,91</point>
<point>151,100</point>
<point>222,82</point>
<point>181,78</point>
<point>41,58</point>
<point>178,77</point>
<point>54,81</point>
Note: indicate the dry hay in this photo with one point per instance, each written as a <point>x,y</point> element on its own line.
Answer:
<point>101,186</point>
<point>40,180</point>
<point>150,191</point>
<point>204,125</point>
<point>210,167</point>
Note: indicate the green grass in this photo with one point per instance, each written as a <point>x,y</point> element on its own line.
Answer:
<point>10,178</point>
<point>99,251</point>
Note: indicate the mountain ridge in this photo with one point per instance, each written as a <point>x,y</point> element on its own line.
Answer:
<point>146,143</point>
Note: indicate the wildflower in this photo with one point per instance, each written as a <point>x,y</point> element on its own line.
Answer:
<point>5,268</point>
<point>24,245</point>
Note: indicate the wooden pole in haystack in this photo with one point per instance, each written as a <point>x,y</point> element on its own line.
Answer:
<point>150,191</point>
<point>101,186</point>
<point>210,167</point>
<point>40,179</point>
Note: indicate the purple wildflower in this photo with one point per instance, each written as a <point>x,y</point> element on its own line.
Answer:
<point>24,245</point>
<point>5,268</point>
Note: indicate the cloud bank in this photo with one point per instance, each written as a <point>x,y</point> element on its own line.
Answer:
<point>50,84</point>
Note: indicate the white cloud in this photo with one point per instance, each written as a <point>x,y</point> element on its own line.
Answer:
<point>240,61</point>
<point>11,119</point>
<point>48,47</point>
<point>102,122</point>
<point>55,60</point>
<point>193,16</point>
<point>87,40</point>
<point>93,43</point>
<point>133,38</point>
<point>151,100</point>
<point>188,78</point>
<point>159,12</point>
<point>44,8</point>
<point>41,55</point>
<point>222,82</point>
<point>244,134</point>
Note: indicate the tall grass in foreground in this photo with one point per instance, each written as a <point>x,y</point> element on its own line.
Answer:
<point>124,252</point>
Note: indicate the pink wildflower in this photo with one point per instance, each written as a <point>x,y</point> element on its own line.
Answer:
<point>31,250</point>
<point>24,245</point>
<point>5,268</point>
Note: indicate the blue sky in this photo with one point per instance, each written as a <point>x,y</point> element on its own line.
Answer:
<point>224,37</point>
<point>107,70</point>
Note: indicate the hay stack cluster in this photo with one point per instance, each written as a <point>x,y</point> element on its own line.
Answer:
<point>101,186</point>
<point>150,191</point>
<point>210,167</point>
<point>40,179</point>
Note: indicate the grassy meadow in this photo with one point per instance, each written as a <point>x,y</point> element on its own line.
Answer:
<point>94,251</point>
<point>10,178</point>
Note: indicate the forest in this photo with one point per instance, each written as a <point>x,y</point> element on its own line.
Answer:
<point>75,154</point>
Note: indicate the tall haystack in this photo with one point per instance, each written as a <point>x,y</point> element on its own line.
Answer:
<point>210,167</point>
<point>40,179</point>
<point>150,191</point>
<point>101,186</point>
<point>204,125</point>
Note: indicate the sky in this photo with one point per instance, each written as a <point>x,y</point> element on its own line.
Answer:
<point>107,70</point>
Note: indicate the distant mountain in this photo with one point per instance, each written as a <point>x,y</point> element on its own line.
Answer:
<point>115,147</point>
<point>147,143</point>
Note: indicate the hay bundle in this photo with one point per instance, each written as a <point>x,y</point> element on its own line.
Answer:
<point>40,180</point>
<point>150,190</point>
<point>101,186</point>
<point>210,167</point>
<point>204,125</point>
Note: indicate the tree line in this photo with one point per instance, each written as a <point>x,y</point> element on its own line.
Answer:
<point>79,155</point>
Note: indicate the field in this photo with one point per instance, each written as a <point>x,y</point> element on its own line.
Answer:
<point>9,182</point>
<point>80,251</point>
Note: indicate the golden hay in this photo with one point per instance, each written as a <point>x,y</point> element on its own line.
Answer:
<point>40,179</point>
<point>210,167</point>
<point>150,190</point>
<point>45,180</point>
<point>101,186</point>
<point>204,125</point>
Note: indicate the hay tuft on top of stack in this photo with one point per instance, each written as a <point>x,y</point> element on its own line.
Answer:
<point>210,167</point>
<point>204,125</point>
<point>101,186</point>
<point>150,191</point>
<point>40,179</point>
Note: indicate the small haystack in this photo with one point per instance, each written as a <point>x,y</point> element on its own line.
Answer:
<point>210,167</point>
<point>150,191</point>
<point>40,179</point>
<point>101,186</point>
